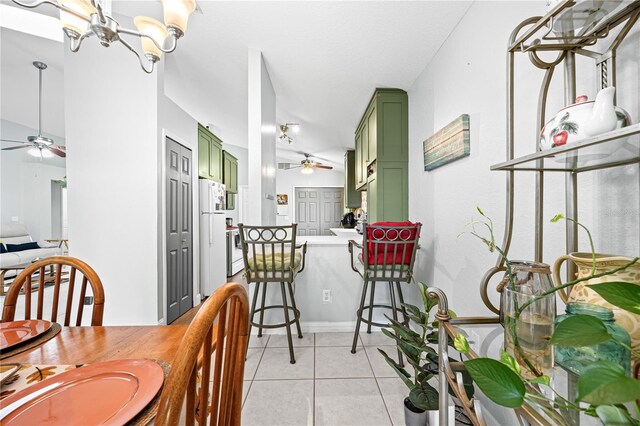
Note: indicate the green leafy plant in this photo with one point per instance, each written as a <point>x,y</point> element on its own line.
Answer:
<point>414,344</point>
<point>603,385</point>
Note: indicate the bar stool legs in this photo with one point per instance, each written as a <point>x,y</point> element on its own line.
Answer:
<point>359,317</point>
<point>369,320</point>
<point>288,321</point>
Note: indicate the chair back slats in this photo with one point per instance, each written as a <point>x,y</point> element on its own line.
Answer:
<point>83,294</point>
<point>215,397</point>
<point>269,252</point>
<point>72,286</point>
<point>56,294</point>
<point>219,396</point>
<point>389,250</point>
<point>57,272</point>
<point>41,293</point>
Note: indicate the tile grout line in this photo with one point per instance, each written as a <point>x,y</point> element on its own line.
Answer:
<point>377,384</point>
<point>313,418</point>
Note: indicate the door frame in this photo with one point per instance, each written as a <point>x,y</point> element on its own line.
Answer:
<point>162,225</point>
<point>293,196</point>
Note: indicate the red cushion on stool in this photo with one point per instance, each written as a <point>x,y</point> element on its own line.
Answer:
<point>380,258</point>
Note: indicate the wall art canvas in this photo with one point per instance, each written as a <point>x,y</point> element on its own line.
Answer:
<point>448,144</point>
<point>283,199</point>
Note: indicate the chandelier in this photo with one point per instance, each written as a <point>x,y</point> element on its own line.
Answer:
<point>86,18</point>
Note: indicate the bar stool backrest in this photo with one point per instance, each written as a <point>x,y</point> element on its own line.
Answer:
<point>389,250</point>
<point>269,252</point>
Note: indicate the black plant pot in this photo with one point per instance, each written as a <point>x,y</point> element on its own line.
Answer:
<point>414,416</point>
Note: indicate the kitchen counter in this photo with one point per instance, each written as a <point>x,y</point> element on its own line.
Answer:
<point>351,234</point>
<point>326,240</point>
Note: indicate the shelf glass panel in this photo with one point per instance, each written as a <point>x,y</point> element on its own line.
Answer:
<point>611,149</point>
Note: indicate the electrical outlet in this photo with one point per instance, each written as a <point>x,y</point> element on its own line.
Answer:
<point>88,300</point>
<point>326,295</point>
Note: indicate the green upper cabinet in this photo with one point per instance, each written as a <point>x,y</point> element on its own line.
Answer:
<point>230,172</point>
<point>209,155</point>
<point>382,155</point>
<point>351,195</point>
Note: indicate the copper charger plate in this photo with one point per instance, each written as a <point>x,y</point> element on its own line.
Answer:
<point>110,392</point>
<point>15,332</point>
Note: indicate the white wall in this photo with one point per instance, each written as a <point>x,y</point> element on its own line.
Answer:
<point>261,143</point>
<point>25,182</point>
<point>468,76</point>
<point>287,179</point>
<point>112,163</point>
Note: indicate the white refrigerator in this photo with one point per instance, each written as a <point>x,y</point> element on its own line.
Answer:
<point>213,238</point>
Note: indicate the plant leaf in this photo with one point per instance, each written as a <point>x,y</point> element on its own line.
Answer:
<point>621,294</point>
<point>401,372</point>
<point>480,210</point>
<point>424,397</point>
<point>606,383</point>
<point>497,381</point>
<point>543,380</point>
<point>580,330</point>
<point>461,344</point>
<point>557,217</point>
<point>614,415</point>
<point>510,362</point>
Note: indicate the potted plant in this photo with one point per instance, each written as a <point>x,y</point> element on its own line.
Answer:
<point>414,343</point>
<point>603,387</point>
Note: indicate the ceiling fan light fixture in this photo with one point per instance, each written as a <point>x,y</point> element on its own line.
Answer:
<point>40,152</point>
<point>306,170</point>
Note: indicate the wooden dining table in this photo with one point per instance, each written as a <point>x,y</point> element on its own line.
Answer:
<point>86,345</point>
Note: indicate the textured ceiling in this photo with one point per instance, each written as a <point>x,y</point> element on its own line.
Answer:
<point>325,58</point>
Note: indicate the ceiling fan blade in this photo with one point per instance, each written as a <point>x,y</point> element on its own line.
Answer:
<point>58,152</point>
<point>15,147</point>
<point>13,141</point>
<point>321,166</point>
<point>60,147</point>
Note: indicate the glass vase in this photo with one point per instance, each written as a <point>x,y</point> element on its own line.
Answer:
<point>528,327</point>
<point>576,359</point>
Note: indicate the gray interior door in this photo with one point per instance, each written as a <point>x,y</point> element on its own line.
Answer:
<point>308,211</point>
<point>318,210</point>
<point>332,208</point>
<point>179,230</point>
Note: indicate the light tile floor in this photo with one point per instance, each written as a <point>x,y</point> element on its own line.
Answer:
<point>328,385</point>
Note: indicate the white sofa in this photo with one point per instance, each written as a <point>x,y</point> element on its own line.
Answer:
<point>14,233</point>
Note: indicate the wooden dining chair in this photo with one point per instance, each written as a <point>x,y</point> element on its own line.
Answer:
<point>221,328</point>
<point>58,272</point>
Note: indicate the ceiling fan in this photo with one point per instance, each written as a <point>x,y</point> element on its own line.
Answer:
<point>307,165</point>
<point>39,146</point>
<point>284,129</point>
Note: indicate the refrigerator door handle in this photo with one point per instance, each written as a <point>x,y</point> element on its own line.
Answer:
<point>210,216</point>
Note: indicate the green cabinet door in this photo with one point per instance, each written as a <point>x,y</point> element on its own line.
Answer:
<point>209,155</point>
<point>230,172</point>
<point>351,195</point>
<point>372,136</point>
<point>359,160</point>
<point>215,161</point>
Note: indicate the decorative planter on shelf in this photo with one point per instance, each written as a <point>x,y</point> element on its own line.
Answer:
<point>576,359</point>
<point>584,119</point>
<point>582,293</point>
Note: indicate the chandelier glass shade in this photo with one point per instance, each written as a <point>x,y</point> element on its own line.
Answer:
<point>86,18</point>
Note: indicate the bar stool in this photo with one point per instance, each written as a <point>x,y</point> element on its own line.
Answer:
<point>388,253</point>
<point>271,256</point>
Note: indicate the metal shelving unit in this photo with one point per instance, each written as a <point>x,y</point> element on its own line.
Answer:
<point>569,29</point>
